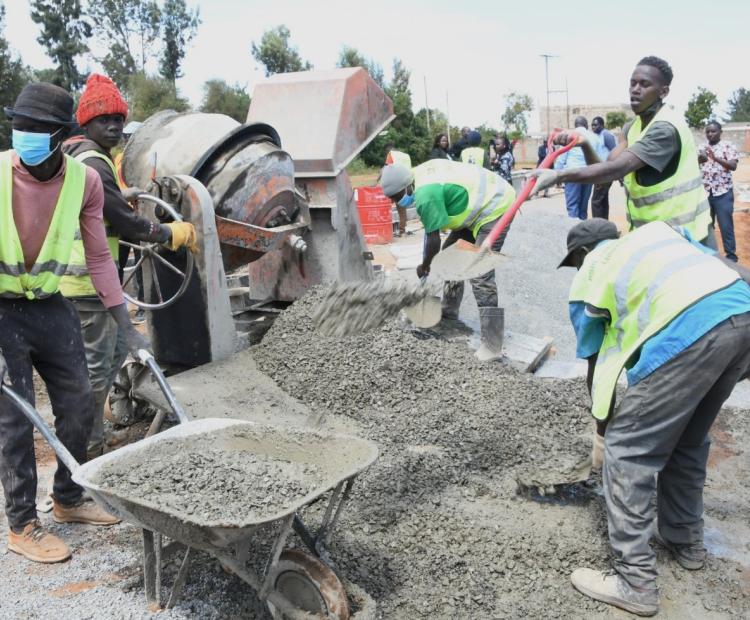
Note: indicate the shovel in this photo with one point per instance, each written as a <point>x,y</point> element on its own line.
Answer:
<point>463,260</point>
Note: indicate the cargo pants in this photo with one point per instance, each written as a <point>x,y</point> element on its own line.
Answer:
<point>44,335</point>
<point>657,442</point>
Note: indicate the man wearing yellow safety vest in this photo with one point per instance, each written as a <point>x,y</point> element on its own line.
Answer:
<point>402,159</point>
<point>656,156</point>
<point>45,197</point>
<point>675,318</point>
<point>473,153</point>
<point>101,114</point>
<point>467,200</point>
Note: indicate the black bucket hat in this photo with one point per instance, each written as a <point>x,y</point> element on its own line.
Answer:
<point>44,102</point>
<point>588,233</point>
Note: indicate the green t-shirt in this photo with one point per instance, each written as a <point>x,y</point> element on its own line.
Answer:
<point>436,202</point>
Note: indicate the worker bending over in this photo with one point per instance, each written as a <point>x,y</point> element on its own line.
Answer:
<point>45,197</point>
<point>676,318</point>
<point>402,159</point>
<point>101,114</point>
<point>656,156</point>
<point>467,200</point>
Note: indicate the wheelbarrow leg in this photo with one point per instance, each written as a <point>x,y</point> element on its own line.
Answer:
<point>152,570</point>
<point>273,559</point>
<point>179,580</point>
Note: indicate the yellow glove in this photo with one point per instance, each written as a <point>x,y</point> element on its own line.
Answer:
<point>597,452</point>
<point>183,236</point>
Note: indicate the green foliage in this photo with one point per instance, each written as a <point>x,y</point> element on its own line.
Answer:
<point>221,98</point>
<point>517,105</point>
<point>739,106</point>
<point>700,108</point>
<point>13,76</point>
<point>614,120</point>
<point>179,26</point>
<point>130,30</point>
<point>150,94</point>
<point>64,32</point>
<point>276,54</point>
<point>350,57</point>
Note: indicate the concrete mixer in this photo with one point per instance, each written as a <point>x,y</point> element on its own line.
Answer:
<point>270,199</point>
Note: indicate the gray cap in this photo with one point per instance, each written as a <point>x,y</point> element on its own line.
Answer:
<point>588,233</point>
<point>395,178</point>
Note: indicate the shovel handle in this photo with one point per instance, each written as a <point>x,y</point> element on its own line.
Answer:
<point>508,216</point>
<point>147,359</point>
<point>36,419</point>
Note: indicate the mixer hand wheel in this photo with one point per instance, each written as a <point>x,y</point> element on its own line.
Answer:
<point>149,254</point>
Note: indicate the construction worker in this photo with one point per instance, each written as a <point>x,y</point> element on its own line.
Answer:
<point>467,200</point>
<point>473,153</point>
<point>656,156</point>
<point>657,305</point>
<point>101,114</point>
<point>402,159</point>
<point>46,196</point>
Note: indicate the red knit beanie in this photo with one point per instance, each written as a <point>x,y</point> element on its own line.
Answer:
<point>100,96</point>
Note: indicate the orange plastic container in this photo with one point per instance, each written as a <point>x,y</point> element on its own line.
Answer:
<point>374,209</point>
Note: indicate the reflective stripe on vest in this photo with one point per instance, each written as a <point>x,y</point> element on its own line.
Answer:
<point>679,200</point>
<point>473,155</point>
<point>43,278</point>
<point>76,281</point>
<point>645,279</point>
<point>398,157</point>
<point>489,194</point>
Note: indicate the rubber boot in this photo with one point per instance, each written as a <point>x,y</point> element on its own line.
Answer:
<point>453,293</point>
<point>492,326</point>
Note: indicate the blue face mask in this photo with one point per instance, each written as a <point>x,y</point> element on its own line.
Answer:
<point>406,201</point>
<point>34,148</point>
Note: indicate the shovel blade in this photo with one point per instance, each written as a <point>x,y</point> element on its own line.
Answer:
<point>425,313</point>
<point>463,261</point>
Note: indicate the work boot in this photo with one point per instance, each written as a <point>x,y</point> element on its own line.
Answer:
<point>38,545</point>
<point>492,334</point>
<point>691,556</point>
<point>609,587</point>
<point>85,511</point>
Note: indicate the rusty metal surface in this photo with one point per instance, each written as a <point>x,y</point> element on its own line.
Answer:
<point>342,111</point>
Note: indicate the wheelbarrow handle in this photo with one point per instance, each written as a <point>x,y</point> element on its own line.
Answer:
<point>36,419</point>
<point>508,216</point>
<point>148,360</point>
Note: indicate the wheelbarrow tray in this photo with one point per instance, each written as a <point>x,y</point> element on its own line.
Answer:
<point>337,457</point>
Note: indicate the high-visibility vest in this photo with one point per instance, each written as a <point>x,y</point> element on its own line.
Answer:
<point>489,194</point>
<point>398,157</point>
<point>77,282</point>
<point>679,200</point>
<point>644,279</point>
<point>44,277</point>
<point>473,155</point>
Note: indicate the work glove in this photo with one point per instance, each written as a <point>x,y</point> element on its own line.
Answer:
<point>131,193</point>
<point>597,452</point>
<point>3,368</point>
<point>545,178</point>
<point>182,235</point>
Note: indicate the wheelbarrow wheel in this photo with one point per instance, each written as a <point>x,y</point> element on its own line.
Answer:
<point>310,585</point>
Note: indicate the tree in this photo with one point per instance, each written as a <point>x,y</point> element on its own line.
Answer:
<point>350,57</point>
<point>739,106</point>
<point>179,26</point>
<point>221,98</point>
<point>276,54</point>
<point>130,30</point>
<point>150,94</point>
<point>517,105</point>
<point>64,32</point>
<point>615,120</point>
<point>13,76</point>
<point>700,108</point>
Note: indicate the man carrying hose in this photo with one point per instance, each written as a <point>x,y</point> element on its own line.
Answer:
<point>101,114</point>
<point>656,156</point>
<point>467,200</point>
<point>657,305</point>
<point>44,198</point>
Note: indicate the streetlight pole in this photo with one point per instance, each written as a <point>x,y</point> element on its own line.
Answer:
<point>546,81</point>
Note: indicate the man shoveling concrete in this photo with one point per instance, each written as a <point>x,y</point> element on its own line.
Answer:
<point>468,201</point>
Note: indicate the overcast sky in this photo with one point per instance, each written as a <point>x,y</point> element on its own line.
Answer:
<point>472,53</point>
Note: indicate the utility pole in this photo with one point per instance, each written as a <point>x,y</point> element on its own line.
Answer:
<point>426,105</point>
<point>448,118</point>
<point>546,83</point>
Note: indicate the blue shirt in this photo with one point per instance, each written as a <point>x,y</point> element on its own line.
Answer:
<point>603,143</point>
<point>574,158</point>
<point>685,329</point>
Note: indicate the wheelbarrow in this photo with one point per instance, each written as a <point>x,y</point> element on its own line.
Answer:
<point>294,585</point>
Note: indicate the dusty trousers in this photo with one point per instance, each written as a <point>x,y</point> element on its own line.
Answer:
<point>485,286</point>
<point>657,442</point>
<point>106,351</point>
<point>44,335</point>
